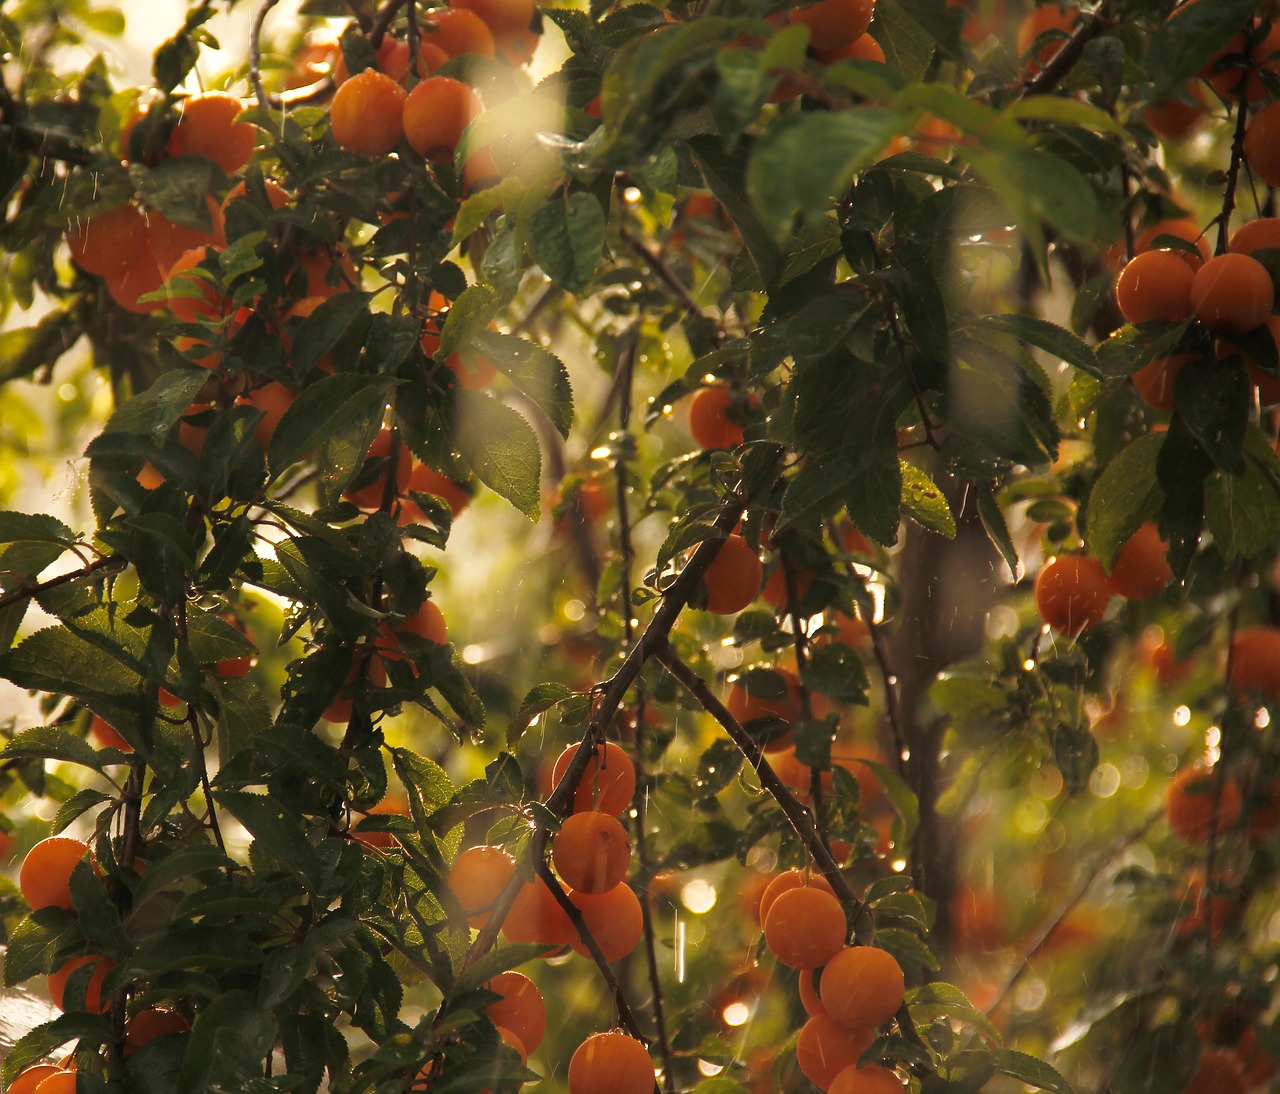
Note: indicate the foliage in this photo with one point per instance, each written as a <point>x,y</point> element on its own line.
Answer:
<point>314,360</point>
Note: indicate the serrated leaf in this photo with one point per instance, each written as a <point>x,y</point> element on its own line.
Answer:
<point>539,698</point>
<point>1126,494</point>
<point>1047,336</point>
<point>153,413</point>
<point>500,448</point>
<point>1243,512</point>
<point>942,999</point>
<point>470,315</point>
<point>1189,38</point>
<point>566,238</point>
<point>804,160</point>
<point>536,371</point>
<point>320,331</point>
<point>997,528</point>
<point>52,743</point>
<point>924,503</point>
<point>1028,1069</point>
<point>330,405</point>
<point>278,831</point>
<point>429,786</point>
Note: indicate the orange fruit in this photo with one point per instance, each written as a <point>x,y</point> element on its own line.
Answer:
<point>142,277</point>
<point>610,1063</point>
<point>614,919</point>
<point>709,420</point>
<point>477,876</point>
<point>1156,380</point>
<point>26,1081</point>
<point>521,1009</point>
<point>1255,662</point>
<point>61,1082</point>
<point>393,805</point>
<point>592,852</point>
<point>1175,117</point>
<point>825,1048</point>
<point>45,875</point>
<point>805,927</point>
<point>536,916</point>
<point>733,578</point>
<point>191,297</point>
<point>747,707</point>
<point>1262,144</point>
<point>273,399</point>
<point>371,670</point>
<point>107,736</point>
<point>1042,20</point>
<point>774,592</point>
<point>1257,235</point>
<point>207,126</point>
<point>1141,568</point>
<point>1195,807</point>
<point>607,785</point>
<point>785,882</point>
<point>110,242</point>
<point>436,114</point>
<point>872,1079</point>
<point>151,1023</point>
<point>425,480</point>
<point>367,115</point>
<point>809,997</point>
<point>1182,228</point>
<point>1232,293</point>
<point>833,24</point>
<point>427,622</point>
<point>456,31</point>
<point>862,48</point>
<point>369,497</point>
<point>506,19</point>
<point>1072,593</point>
<point>1218,1073</point>
<point>93,1001</point>
<point>169,241</point>
<point>862,987</point>
<point>1155,285</point>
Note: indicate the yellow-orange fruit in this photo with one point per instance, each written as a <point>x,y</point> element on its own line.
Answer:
<point>592,852</point>
<point>1072,593</point>
<point>367,114</point>
<point>1155,285</point>
<point>834,24</point>
<point>45,875</point>
<point>457,32</point>
<point>862,987</point>
<point>436,114</point>
<point>825,1048</point>
<point>521,1008</point>
<point>1262,144</point>
<point>1255,662</point>
<point>1156,380</point>
<point>477,876</point>
<point>1257,235</point>
<point>1142,567</point>
<point>614,919</point>
<point>26,1081</point>
<point>1232,293</point>
<point>110,242</point>
<point>93,1001</point>
<point>805,927</point>
<point>872,1079</point>
<point>785,882</point>
<point>610,1063</point>
<point>733,578</point>
<point>536,916</point>
<point>1195,807</point>
<point>608,783</point>
<point>709,420</point>
<point>207,126</point>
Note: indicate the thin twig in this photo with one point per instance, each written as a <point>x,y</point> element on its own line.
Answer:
<point>1233,169</point>
<point>255,52</point>
<point>378,28</point>
<point>102,567</point>
<point>1062,62</point>
<point>665,274</point>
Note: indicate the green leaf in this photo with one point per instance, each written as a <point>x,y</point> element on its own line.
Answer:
<point>1075,752</point>
<point>539,698</point>
<point>31,541</point>
<point>924,503</point>
<point>1047,336</point>
<point>724,175</point>
<point>24,350</point>
<point>469,316</point>
<point>320,331</point>
<point>153,413</point>
<point>996,527</point>
<point>55,660</point>
<point>52,743</point>
<point>91,1029</point>
<point>1132,347</point>
<point>804,160</point>
<point>1027,1069</point>
<point>179,187</point>
<point>330,405</point>
<point>873,499</point>
<point>1126,494</point>
<point>566,238</point>
<point>942,1000</point>
<point>536,371</point>
<point>1066,112</point>
<point>1187,40</point>
<point>35,941</point>
<point>1243,512</point>
<point>907,46</point>
<point>1213,401</point>
<point>275,830</point>
<point>500,447</point>
<point>428,785</point>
